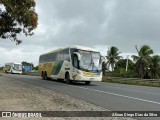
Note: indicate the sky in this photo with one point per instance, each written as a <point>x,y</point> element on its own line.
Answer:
<point>94,23</point>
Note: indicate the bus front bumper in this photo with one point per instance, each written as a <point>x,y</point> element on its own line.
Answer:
<point>88,78</point>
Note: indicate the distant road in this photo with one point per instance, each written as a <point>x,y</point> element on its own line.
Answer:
<point>115,97</point>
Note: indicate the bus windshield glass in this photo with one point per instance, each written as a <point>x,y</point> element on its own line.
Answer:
<point>17,67</point>
<point>90,61</point>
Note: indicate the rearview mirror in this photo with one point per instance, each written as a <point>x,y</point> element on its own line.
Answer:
<point>78,55</point>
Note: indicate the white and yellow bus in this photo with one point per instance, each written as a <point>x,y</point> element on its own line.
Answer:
<point>12,67</point>
<point>74,63</point>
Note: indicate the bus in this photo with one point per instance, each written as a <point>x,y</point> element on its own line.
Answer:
<point>73,63</point>
<point>15,68</point>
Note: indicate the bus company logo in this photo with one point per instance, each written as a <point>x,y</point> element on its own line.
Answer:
<point>6,114</point>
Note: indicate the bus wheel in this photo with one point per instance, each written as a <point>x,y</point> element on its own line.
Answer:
<point>68,81</point>
<point>44,76</point>
<point>87,82</point>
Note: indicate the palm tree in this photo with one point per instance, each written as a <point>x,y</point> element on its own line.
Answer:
<point>104,68</point>
<point>142,60</point>
<point>112,57</point>
<point>154,66</point>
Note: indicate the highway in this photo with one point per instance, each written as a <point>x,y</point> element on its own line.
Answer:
<point>115,97</point>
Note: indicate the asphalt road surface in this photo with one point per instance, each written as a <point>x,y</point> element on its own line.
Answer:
<point>115,97</point>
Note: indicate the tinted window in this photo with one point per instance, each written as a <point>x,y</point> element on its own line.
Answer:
<point>66,54</point>
<point>75,61</point>
<point>73,50</point>
<point>53,56</point>
<point>41,59</point>
<point>61,55</point>
<point>48,57</point>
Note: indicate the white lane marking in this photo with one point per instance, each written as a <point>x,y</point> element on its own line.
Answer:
<point>119,95</point>
<point>127,88</point>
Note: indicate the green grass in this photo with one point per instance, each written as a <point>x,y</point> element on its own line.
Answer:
<point>1,71</point>
<point>28,73</point>
<point>132,82</point>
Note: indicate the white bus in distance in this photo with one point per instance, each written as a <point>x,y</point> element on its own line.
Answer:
<point>73,63</point>
<point>15,68</point>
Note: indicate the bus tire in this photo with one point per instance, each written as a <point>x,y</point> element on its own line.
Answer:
<point>44,76</point>
<point>87,82</point>
<point>67,78</point>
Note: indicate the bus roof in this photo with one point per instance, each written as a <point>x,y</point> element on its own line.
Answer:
<point>52,51</point>
<point>73,46</point>
<point>12,63</point>
<point>83,48</point>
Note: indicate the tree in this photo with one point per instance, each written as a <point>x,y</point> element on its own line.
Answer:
<point>24,63</point>
<point>112,57</point>
<point>142,60</point>
<point>122,64</point>
<point>36,67</point>
<point>17,16</point>
<point>1,68</point>
<point>104,68</point>
<point>120,68</point>
<point>154,66</point>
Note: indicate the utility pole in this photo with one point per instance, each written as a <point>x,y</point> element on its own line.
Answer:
<point>126,65</point>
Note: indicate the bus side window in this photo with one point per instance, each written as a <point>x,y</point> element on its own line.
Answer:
<point>53,56</point>
<point>75,61</point>
<point>59,55</point>
<point>40,59</point>
<point>66,54</point>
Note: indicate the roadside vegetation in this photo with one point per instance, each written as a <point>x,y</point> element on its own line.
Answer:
<point>141,82</point>
<point>145,67</point>
<point>33,73</point>
<point>33,70</point>
<point>1,70</point>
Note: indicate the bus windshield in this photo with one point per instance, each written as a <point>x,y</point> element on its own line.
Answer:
<point>17,67</point>
<point>90,61</point>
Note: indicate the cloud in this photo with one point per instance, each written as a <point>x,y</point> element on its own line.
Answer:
<point>135,22</point>
<point>95,23</point>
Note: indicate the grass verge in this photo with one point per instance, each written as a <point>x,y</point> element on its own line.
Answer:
<point>28,73</point>
<point>133,82</point>
<point>1,72</point>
